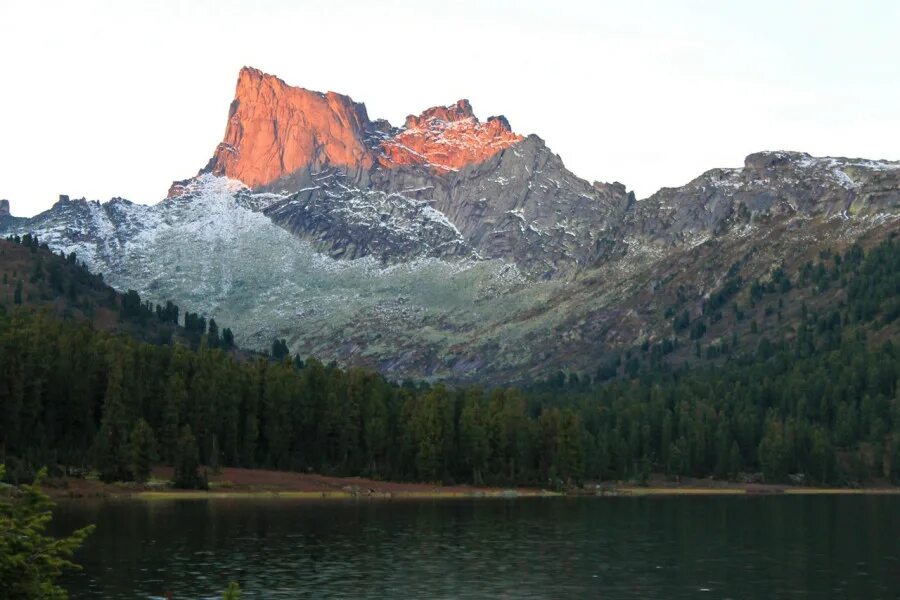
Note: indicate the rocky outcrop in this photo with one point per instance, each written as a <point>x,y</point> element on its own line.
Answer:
<point>359,185</point>
<point>278,135</point>
<point>275,129</point>
<point>447,138</point>
<point>771,185</point>
<point>7,220</point>
<point>521,205</point>
<point>349,223</point>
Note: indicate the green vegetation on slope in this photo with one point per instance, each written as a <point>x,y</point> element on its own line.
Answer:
<point>32,276</point>
<point>823,403</point>
<point>30,560</point>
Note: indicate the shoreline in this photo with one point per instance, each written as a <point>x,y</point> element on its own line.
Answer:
<point>620,492</point>
<point>236,484</point>
<point>737,490</point>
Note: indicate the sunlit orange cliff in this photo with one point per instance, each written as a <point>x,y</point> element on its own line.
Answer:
<point>275,129</point>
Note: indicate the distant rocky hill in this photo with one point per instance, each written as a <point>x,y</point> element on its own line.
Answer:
<point>454,247</point>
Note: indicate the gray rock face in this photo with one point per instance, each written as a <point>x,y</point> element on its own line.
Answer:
<point>349,222</point>
<point>523,206</point>
<point>771,185</point>
<point>6,219</point>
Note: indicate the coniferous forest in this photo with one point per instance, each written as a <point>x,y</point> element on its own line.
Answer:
<point>821,407</point>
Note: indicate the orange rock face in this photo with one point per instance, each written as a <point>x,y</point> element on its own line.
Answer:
<point>447,138</point>
<point>275,129</point>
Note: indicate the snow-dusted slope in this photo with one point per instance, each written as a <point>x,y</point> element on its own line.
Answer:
<point>214,250</point>
<point>348,221</point>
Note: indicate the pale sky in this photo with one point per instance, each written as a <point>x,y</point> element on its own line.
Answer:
<point>103,99</point>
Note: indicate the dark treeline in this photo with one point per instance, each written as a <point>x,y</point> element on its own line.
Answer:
<point>822,405</point>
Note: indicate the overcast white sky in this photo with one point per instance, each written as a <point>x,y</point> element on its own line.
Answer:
<point>103,99</point>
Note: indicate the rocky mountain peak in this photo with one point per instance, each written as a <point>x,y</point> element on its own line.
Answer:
<point>4,208</point>
<point>275,129</point>
<point>454,112</point>
<point>501,121</point>
<point>761,161</point>
<point>447,138</point>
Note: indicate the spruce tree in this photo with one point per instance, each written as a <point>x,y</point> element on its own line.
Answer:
<point>227,339</point>
<point>570,449</point>
<point>30,560</point>
<point>473,435</point>
<point>280,349</point>
<point>214,456</point>
<point>142,446</point>
<point>111,444</point>
<point>175,400</point>
<point>213,335</point>
<point>431,432</point>
<point>187,462</point>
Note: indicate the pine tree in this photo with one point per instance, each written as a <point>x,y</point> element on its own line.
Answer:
<point>821,455</point>
<point>175,400</point>
<point>280,350</point>
<point>376,436</point>
<point>773,450</point>
<point>276,414</point>
<point>227,339</point>
<point>214,456</point>
<point>213,335</point>
<point>570,449</point>
<point>892,458</point>
<point>187,462</point>
<point>432,432</point>
<point>111,444</point>
<point>233,592</point>
<point>473,435</point>
<point>142,446</point>
<point>30,560</point>
<point>735,464</point>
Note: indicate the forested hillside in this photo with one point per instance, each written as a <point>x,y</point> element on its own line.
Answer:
<point>821,405</point>
<point>32,276</point>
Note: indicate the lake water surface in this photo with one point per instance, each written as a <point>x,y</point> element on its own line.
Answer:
<point>663,547</point>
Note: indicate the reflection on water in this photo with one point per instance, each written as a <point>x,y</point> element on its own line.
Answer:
<point>725,547</point>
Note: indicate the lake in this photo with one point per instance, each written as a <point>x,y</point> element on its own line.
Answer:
<point>658,547</point>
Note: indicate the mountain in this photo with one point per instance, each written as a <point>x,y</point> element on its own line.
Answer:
<point>456,248</point>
